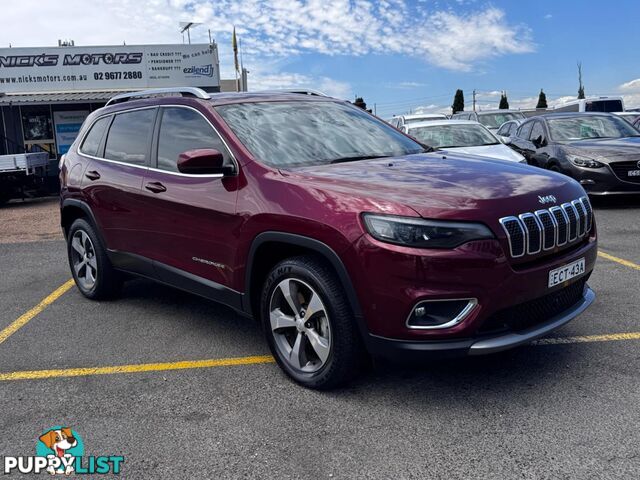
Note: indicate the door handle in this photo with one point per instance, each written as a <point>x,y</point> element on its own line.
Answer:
<point>155,187</point>
<point>92,175</point>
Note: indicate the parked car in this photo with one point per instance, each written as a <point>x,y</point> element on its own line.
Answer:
<point>401,120</point>
<point>462,136</point>
<point>600,150</point>
<point>630,117</point>
<point>509,128</point>
<point>592,104</point>
<point>339,233</point>
<point>492,119</point>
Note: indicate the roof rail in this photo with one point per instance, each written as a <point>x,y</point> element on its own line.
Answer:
<point>150,92</point>
<point>301,91</point>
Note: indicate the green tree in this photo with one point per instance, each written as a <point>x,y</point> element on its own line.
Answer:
<point>542,100</point>
<point>504,103</point>
<point>458,102</point>
<point>359,102</point>
<point>580,85</point>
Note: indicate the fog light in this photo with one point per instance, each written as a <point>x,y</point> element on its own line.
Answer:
<point>438,314</point>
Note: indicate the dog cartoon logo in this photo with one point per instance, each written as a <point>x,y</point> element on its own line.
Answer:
<point>63,443</point>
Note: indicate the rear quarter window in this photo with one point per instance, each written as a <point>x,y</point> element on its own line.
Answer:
<point>91,142</point>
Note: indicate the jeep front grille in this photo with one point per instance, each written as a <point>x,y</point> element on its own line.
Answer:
<point>532,232</point>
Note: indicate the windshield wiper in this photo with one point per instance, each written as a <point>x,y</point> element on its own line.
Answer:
<point>356,158</point>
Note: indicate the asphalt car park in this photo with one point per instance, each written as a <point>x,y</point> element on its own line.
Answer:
<point>184,387</point>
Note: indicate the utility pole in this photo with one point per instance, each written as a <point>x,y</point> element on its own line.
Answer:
<point>474,99</point>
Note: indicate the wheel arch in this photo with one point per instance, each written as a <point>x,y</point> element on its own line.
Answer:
<point>71,210</point>
<point>269,248</point>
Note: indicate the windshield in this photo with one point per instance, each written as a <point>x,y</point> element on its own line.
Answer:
<point>292,134</point>
<point>494,120</point>
<point>583,127</point>
<point>454,135</point>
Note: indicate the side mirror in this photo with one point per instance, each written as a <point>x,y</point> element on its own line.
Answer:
<point>203,161</point>
<point>505,140</point>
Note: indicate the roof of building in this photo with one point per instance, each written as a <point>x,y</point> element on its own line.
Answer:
<point>56,97</point>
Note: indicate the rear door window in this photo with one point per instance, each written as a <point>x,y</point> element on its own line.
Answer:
<point>182,129</point>
<point>129,137</point>
<point>91,143</point>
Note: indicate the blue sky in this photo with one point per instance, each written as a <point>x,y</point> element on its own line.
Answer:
<point>397,54</point>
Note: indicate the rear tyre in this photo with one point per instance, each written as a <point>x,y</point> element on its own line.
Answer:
<point>92,271</point>
<point>309,325</point>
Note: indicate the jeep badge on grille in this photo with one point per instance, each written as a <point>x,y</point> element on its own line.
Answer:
<point>547,199</point>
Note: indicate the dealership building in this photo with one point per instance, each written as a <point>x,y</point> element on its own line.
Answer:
<point>46,93</point>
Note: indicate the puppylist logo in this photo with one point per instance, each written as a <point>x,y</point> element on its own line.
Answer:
<point>60,451</point>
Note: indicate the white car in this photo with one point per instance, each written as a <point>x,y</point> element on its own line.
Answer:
<point>630,117</point>
<point>462,136</point>
<point>402,120</point>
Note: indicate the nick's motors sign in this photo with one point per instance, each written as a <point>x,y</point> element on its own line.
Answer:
<point>28,70</point>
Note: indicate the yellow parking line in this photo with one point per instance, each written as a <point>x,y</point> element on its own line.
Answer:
<point>621,261</point>
<point>144,367</point>
<point>589,338</point>
<point>253,360</point>
<point>25,317</point>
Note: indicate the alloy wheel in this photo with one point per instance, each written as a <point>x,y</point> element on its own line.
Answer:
<point>83,259</point>
<point>300,325</point>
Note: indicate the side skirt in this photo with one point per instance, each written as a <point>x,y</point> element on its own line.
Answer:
<point>174,277</point>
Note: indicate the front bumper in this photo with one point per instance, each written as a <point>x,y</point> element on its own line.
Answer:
<point>602,181</point>
<point>402,350</point>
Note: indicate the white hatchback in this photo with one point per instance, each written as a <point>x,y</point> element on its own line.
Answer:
<point>462,136</point>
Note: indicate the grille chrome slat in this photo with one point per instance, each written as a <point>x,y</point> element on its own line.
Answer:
<point>543,230</point>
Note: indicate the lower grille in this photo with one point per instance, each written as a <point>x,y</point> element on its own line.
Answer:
<point>534,312</point>
<point>622,169</point>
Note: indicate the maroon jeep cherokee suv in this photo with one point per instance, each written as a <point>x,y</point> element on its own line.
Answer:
<point>340,234</point>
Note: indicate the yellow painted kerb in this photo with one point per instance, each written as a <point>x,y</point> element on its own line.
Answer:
<point>25,317</point>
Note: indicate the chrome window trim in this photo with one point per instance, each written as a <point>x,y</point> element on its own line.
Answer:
<point>179,174</point>
<point>522,216</point>
<point>464,313</point>
<point>566,219</point>
<point>504,220</point>
<point>538,214</point>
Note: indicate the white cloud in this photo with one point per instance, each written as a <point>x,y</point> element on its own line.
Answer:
<point>630,86</point>
<point>285,80</point>
<point>548,16</point>
<point>278,28</point>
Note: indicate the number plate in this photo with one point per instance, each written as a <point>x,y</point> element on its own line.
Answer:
<point>562,274</point>
<point>634,173</point>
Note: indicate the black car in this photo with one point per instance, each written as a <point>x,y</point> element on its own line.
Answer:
<point>600,150</point>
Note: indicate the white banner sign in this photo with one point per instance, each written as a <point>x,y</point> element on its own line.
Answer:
<point>62,69</point>
<point>67,126</point>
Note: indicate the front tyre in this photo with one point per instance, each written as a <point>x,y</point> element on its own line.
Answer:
<point>309,325</point>
<point>91,269</point>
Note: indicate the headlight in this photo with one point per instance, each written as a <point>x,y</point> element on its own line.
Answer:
<point>585,162</point>
<point>418,233</point>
